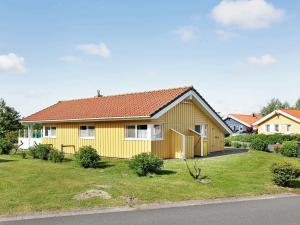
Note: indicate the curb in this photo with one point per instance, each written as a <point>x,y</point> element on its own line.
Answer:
<point>150,206</point>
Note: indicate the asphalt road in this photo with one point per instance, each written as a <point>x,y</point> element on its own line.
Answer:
<point>265,212</point>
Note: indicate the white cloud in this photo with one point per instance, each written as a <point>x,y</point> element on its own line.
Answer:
<point>246,14</point>
<point>12,63</point>
<point>70,59</point>
<point>264,60</point>
<point>187,33</point>
<point>225,34</point>
<point>96,49</point>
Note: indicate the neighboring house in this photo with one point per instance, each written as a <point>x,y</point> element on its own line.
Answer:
<point>241,122</point>
<point>171,123</point>
<point>284,121</point>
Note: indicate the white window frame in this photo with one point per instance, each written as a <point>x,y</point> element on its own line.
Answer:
<point>149,133</point>
<point>87,128</point>
<point>51,136</point>
<point>268,128</point>
<point>204,134</point>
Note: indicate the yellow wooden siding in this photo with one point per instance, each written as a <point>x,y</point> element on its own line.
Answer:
<point>110,136</point>
<point>109,139</point>
<point>181,118</point>
<point>189,147</point>
<point>282,121</point>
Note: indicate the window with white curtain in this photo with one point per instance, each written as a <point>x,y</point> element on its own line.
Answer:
<point>144,132</point>
<point>50,131</point>
<point>156,132</point>
<point>87,132</point>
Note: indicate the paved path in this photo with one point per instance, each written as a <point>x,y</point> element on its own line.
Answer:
<point>277,211</point>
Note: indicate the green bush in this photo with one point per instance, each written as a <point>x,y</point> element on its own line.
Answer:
<point>244,145</point>
<point>56,156</point>
<point>145,163</point>
<point>5,146</point>
<point>227,142</point>
<point>289,148</point>
<point>269,139</point>
<point>40,151</point>
<point>237,144</point>
<point>87,157</point>
<point>259,144</point>
<point>284,173</point>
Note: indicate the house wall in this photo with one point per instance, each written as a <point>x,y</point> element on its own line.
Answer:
<point>109,139</point>
<point>282,121</point>
<point>110,136</point>
<point>181,118</point>
<point>235,125</point>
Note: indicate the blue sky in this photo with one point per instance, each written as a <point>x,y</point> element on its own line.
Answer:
<point>237,54</point>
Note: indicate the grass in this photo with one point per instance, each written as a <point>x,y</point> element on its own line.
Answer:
<point>29,185</point>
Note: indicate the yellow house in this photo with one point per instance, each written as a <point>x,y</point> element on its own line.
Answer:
<point>284,121</point>
<point>171,123</point>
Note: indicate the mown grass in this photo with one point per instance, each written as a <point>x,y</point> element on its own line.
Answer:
<point>29,185</point>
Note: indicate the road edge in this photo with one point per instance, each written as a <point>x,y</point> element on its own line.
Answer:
<point>149,206</point>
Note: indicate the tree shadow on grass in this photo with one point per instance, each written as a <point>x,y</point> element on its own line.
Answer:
<point>104,165</point>
<point>295,184</point>
<point>165,172</point>
<point>6,160</point>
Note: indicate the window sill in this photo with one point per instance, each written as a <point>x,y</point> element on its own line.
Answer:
<point>52,137</point>
<point>87,138</point>
<point>137,139</point>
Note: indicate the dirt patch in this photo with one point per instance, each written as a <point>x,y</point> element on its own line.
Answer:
<point>130,200</point>
<point>92,194</point>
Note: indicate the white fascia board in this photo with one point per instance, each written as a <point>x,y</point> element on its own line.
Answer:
<point>265,118</point>
<point>289,116</point>
<point>187,95</point>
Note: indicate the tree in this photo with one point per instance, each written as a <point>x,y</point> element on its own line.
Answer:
<point>297,104</point>
<point>272,105</point>
<point>9,119</point>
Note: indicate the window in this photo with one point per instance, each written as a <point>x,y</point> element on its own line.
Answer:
<point>276,128</point>
<point>50,131</point>
<point>288,127</point>
<point>144,132</point>
<point>268,127</point>
<point>156,132</point>
<point>87,132</point>
<point>130,131</point>
<point>202,129</point>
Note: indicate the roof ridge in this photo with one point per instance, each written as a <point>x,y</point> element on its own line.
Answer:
<point>129,93</point>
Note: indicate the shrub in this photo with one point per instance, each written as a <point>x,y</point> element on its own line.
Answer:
<point>56,156</point>
<point>227,143</point>
<point>5,146</point>
<point>87,157</point>
<point>289,148</point>
<point>145,163</point>
<point>244,145</point>
<point>237,144</point>
<point>259,144</point>
<point>284,173</point>
<point>40,151</point>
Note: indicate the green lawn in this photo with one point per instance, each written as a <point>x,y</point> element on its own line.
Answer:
<point>29,185</point>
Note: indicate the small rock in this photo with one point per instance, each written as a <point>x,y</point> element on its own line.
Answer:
<point>92,194</point>
<point>205,181</point>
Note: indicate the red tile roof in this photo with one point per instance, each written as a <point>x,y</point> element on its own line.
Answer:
<point>248,119</point>
<point>141,104</point>
<point>292,112</point>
